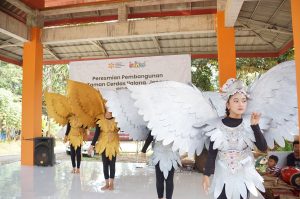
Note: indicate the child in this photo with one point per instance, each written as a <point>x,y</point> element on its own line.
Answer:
<point>273,170</point>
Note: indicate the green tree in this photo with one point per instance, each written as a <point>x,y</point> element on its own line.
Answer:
<point>10,110</point>
<point>10,96</point>
<point>205,71</point>
<point>289,55</point>
<point>204,74</point>
<point>248,69</point>
<point>54,80</point>
<point>11,78</point>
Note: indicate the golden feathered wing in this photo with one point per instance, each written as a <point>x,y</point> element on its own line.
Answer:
<point>87,102</point>
<point>58,107</point>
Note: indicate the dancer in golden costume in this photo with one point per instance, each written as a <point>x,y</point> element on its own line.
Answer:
<point>60,109</point>
<point>88,104</point>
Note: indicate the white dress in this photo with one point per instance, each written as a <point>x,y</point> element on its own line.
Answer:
<point>234,166</point>
<point>165,157</point>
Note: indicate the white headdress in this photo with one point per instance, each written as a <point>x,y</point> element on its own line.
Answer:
<point>233,86</point>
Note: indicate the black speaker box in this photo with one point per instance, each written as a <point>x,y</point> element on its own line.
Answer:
<point>44,151</point>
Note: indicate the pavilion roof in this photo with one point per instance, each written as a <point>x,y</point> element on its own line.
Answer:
<point>92,30</point>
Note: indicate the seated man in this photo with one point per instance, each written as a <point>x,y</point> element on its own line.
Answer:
<point>293,159</point>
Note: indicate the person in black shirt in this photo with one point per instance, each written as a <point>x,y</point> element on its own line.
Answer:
<point>293,159</point>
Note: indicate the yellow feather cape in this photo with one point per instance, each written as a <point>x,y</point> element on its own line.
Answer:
<point>76,133</point>
<point>108,139</point>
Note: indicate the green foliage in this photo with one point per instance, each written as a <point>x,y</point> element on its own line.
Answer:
<point>289,55</point>
<point>10,110</point>
<point>11,78</point>
<point>54,80</point>
<point>10,96</point>
<point>288,147</point>
<point>248,69</point>
<point>204,73</point>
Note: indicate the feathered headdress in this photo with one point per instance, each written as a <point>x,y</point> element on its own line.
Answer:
<point>233,86</point>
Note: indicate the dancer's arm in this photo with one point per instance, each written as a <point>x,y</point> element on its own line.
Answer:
<point>95,139</point>
<point>209,168</point>
<point>96,135</point>
<point>260,141</point>
<point>147,143</point>
<point>67,132</point>
<point>68,129</point>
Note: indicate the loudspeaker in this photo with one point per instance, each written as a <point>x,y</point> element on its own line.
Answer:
<point>44,151</point>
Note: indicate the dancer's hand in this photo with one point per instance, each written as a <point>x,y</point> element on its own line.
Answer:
<point>142,156</point>
<point>91,149</point>
<point>65,139</point>
<point>255,117</point>
<point>206,184</point>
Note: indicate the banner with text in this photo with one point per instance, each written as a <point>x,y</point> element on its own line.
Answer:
<point>116,73</point>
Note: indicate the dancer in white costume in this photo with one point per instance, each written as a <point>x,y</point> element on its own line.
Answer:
<point>230,151</point>
<point>166,162</point>
<point>233,137</point>
<point>185,119</point>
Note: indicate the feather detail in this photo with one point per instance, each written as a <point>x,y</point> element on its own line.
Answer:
<point>126,114</point>
<point>171,109</point>
<point>87,102</point>
<point>108,140</point>
<point>58,107</point>
<point>274,96</point>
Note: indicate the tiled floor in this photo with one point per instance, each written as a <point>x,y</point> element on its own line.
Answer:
<point>133,180</point>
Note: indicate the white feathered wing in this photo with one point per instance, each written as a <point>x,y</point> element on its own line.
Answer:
<point>126,114</point>
<point>274,96</point>
<point>171,109</point>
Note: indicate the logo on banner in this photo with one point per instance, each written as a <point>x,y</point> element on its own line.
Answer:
<point>137,64</point>
<point>115,65</point>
